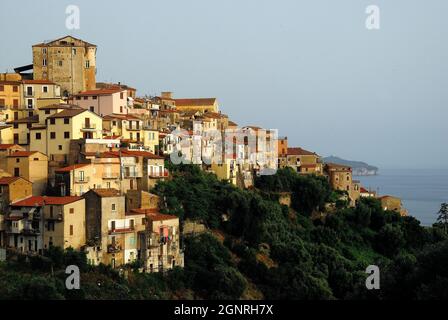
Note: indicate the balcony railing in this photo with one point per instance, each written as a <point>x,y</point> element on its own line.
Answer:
<point>89,126</point>
<point>30,232</point>
<point>111,175</point>
<point>55,217</point>
<point>133,128</point>
<point>81,179</point>
<point>132,174</point>
<point>163,174</point>
<point>125,229</point>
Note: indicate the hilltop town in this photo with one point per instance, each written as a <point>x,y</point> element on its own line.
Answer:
<point>79,160</point>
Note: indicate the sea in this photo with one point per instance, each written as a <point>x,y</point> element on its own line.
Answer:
<point>421,190</point>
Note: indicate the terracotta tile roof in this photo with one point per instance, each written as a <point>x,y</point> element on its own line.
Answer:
<point>364,190</point>
<point>104,85</point>
<point>41,200</point>
<point>232,124</point>
<point>10,82</point>
<point>68,113</point>
<point>72,167</point>
<point>51,43</point>
<point>106,193</point>
<point>300,152</point>
<point>121,116</point>
<point>6,146</point>
<point>60,106</point>
<point>154,214</point>
<point>8,180</point>
<point>32,119</point>
<point>22,154</point>
<point>338,166</point>
<point>195,102</point>
<point>99,92</point>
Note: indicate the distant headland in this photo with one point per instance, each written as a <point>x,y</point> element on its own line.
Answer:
<point>359,168</point>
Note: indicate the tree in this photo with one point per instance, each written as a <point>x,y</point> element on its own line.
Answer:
<point>442,219</point>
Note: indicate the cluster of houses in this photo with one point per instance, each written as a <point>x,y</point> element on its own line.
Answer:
<point>79,158</point>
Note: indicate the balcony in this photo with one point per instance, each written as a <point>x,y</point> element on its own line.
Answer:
<point>132,174</point>
<point>81,179</point>
<point>56,217</point>
<point>158,175</point>
<point>114,248</point>
<point>153,241</point>
<point>88,127</point>
<point>126,229</point>
<point>29,231</point>
<point>133,128</point>
<point>111,176</point>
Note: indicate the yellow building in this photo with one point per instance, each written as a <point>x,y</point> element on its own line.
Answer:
<point>68,61</point>
<point>32,166</point>
<point>35,91</point>
<point>54,137</point>
<point>197,104</point>
<point>10,94</point>
<point>303,161</point>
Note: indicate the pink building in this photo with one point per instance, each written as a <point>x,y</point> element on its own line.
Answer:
<point>103,101</point>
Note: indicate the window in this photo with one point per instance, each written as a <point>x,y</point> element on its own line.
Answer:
<point>59,147</point>
<point>2,87</point>
<point>53,135</point>
<point>17,160</point>
<point>113,207</point>
<point>92,108</point>
<point>131,223</point>
<point>78,98</point>
<point>71,229</point>
<point>47,111</point>
<point>15,89</point>
<point>2,102</point>
<point>121,95</point>
<point>74,51</point>
<point>66,120</point>
<point>86,98</point>
<point>44,50</point>
<point>52,121</point>
<point>16,172</point>
<point>66,135</point>
<point>44,62</point>
<point>16,126</point>
<point>29,103</point>
<point>60,63</point>
<point>121,109</point>
<point>44,89</point>
<point>38,136</point>
<point>87,63</point>
<point>72,210</point>
<point>94,97</point>
<point>81,175</point>
<point>143,221</point>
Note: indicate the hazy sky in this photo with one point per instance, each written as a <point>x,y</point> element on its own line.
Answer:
<point>308,68</point>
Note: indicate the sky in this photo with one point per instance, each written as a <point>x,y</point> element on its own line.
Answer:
<point>310,69</point>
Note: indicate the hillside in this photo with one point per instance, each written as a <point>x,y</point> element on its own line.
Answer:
<point>255,248</point>
<point>359,168</point>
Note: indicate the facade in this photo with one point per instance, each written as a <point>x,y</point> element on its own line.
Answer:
<point>197,104</point>
<point>11,189</point>
<point>68,61</point>
<point>392,203</point>
<point>303,161</point>
<point>282,152</point>
<point>10,94</point>
<point>36,90</point>
<point>159,243</point>
<point>102,101</point>
<point>340,178</point>
<point>5,151</point>
<point>32,166</point>
<point>37,222</point>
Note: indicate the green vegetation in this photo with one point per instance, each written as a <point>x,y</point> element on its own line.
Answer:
<point>317,249</point>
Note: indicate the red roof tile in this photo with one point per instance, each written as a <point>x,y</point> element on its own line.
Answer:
<point>99,92</point>
<point>22,154</point>
<point>72,167</point>
<point>6,146</point>
<point>300,152</point>
<point>195,102</point>
<point>7,180</point>
<point>41,200</point>
<point>154,214</point>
